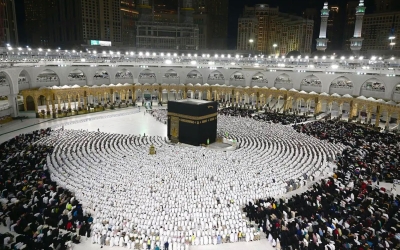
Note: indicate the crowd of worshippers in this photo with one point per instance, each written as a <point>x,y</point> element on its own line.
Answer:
<point>333,214</point>
<point>160,115</point>
<point>284,119</point>
<point>236,112</point>
<point>175,213</point>
<point>367,150</point>
<point>38,213</point>
<point>270,117</point>
<point>346,211</point>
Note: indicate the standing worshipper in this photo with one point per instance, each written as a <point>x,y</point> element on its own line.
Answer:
<point>166,245</point>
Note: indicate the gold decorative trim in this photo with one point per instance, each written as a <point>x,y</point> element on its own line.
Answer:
<point>194,118</point>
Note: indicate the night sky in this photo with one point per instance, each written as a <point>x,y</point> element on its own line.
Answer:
<point>235,10</point>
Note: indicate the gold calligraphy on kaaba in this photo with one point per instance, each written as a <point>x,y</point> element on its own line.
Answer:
<point>174,130</point>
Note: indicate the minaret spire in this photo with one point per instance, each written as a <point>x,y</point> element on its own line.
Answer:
<point>356,40</point>
<point>322,41</point>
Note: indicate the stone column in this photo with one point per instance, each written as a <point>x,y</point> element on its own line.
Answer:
<point>13,102</point>
<point>85,102</point>
<point>69,102</point>
<point>59,103</point>
<point>378,115</point>
<point>53,106</point>
<point>184,95</point>
<point>388,116</point>
<point>79,102</point>
<point>47,105</point>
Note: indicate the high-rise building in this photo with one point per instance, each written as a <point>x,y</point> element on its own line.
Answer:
<point>8,23</point>
<point>129,16</point>
<point>377,28</point>
<point>217,11</point>
<point>36,22</point>
<point>335,30</point>
<point>182,34</point>
<point>268,31</point>
<point>350,20</point>
<point>71,23</point>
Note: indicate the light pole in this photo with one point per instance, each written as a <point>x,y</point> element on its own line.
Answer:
<point>251,41</point>
<point>275,46</point>
<point>392,43</point>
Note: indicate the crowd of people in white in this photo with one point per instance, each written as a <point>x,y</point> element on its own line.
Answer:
<point>171,76</point>
<point>124,75</point>
<point>342,84</point>
<point>160,115</point>
<point>47,78</point>
<point>3,81</point>
<point>182,195</point>
<point>147,75</point>
<point>197,76</point>
<point>374,86</point>
<point>76,77</point>
<point>22,80</point>
<point>216,77</point>
<point>259,79</point>
<point>311,82</point>
<point>102,74</point>
<point>238,77</point>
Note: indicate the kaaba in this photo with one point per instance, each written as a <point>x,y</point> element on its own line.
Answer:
<point>192,121</point>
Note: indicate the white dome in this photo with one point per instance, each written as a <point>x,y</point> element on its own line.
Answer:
<point>273,88</point>
<point>283,89</point>
<point>303,92</point>
<point>347,96</point>
<point>371,99</point>
<point>313,93</point>
<point>362,97</point>
<point>335,95</point>
<point>324,94</point>
<point>293,90</point>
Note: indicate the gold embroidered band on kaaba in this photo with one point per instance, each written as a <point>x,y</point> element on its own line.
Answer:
<point>193,118</point>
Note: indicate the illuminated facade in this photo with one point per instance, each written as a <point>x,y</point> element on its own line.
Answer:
<point>287,32</point>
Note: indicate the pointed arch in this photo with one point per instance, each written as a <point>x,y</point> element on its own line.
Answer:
<point>258,78</point>
<point>396,93</point>
<point>283,81</point>
<point>24,80</point>
<point>30,103</point>
<point>77,76</point>
<point>373,87</point>
<point>216,75</point>
<point>194,76</point>
<point>171,77</point>
<point>48,77</point>
<point>123,74</point>
<point>5,83</point>
<point>374,84</point>
<point>341,85</point>
<point>311,81</point>
<point>101,76</point>
<point>147,76</point>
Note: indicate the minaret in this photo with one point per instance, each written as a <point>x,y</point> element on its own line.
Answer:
<point>145,10</point>
<point>322,41</point>
<point>356,40</point>
<point>186,12</point>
